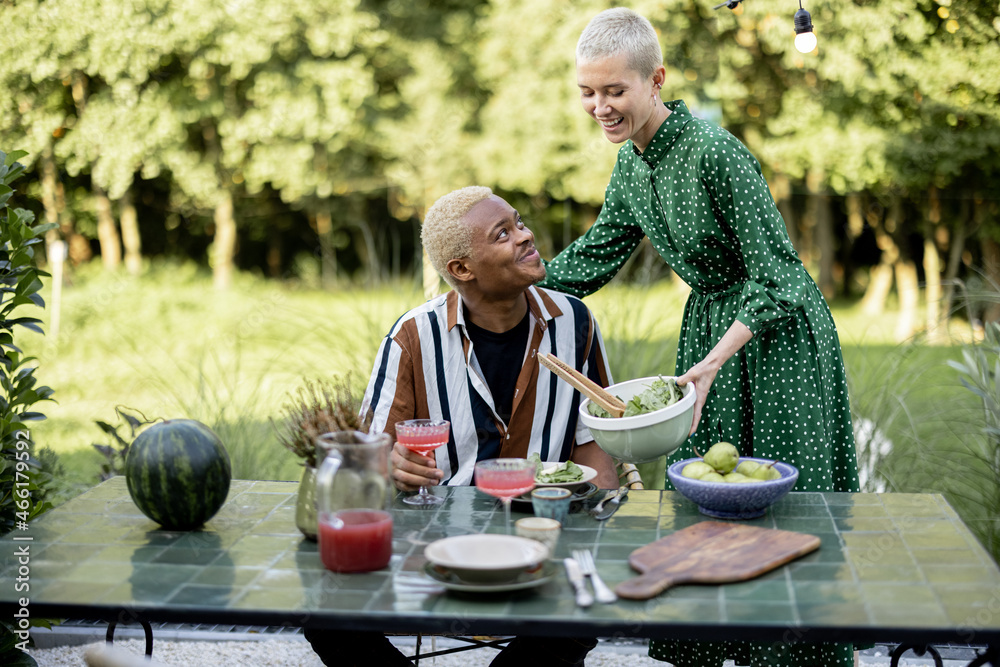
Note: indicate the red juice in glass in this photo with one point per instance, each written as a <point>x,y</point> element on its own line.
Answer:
<point>422,443</point>
<point>423,436</point>
<point>507,486</point>
<point>355,540</point>
<point>504,479</point>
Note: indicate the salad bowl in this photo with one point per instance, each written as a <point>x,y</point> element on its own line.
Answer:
<point>643,437</point>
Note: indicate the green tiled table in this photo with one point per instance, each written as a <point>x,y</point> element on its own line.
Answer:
<point>891,568</point>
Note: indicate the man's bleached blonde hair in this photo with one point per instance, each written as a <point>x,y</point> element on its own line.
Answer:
<point>620,30</point>
<point>444,234</point>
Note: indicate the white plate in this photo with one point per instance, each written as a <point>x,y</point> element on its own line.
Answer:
<point>486,558</point>
<point>525,580</point>
<point>588,474</point>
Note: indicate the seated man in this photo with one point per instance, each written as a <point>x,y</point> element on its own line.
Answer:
<point>456,358</point>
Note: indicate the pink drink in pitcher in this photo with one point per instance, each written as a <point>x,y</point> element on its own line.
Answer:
<point>358,540</point>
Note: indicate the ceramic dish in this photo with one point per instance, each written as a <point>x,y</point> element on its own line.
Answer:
<point>580,493</point>
<point>723,500</point>
<point>527,579</point>
<point>588,474</point>
<point>644,437</point>
<point>486,558</point>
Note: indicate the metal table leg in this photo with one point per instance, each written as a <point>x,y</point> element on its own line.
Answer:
<point>991,656</point>
<point>918,650</point>
<point>110,636</point>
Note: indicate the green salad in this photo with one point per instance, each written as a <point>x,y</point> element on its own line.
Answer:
<point>563,472</point>
<point>660,394</point>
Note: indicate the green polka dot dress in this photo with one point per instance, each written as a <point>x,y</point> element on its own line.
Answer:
<point>699,195</point>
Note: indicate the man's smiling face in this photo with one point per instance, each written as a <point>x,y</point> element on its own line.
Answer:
<point>504,259</point>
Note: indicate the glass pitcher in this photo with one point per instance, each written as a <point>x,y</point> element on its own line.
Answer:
<point>353,492</point>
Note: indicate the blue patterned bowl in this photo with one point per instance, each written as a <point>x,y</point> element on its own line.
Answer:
<point>723,500</point>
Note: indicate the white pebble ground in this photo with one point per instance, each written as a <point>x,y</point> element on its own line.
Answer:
<point>285,653</point>
<point>297,653</point>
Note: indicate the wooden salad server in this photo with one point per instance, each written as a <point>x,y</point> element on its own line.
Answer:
<point>583,384</point>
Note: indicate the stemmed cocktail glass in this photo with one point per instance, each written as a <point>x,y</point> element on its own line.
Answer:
<point>422,436</point>
<point>505,479</point>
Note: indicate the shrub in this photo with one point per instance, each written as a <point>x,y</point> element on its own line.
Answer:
<point>22,480</point>
<point>979,485</point>
<point>319,407</point>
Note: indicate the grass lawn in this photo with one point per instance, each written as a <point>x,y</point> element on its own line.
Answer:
<point>169,345</point>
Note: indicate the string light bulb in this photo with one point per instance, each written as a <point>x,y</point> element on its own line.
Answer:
<point>805,40</point>
<point>733,5</point>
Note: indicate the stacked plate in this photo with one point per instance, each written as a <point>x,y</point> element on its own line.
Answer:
<point>487,563</point>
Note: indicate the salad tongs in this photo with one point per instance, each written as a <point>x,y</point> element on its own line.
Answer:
<point>611,403</point>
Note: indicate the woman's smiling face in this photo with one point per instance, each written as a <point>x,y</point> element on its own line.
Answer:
<point>624,104</point>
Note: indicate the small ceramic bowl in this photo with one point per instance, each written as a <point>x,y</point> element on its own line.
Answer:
<point>542,530</point>
<point>486,558</point>
<point>551,503</point>
<point>724,500</point>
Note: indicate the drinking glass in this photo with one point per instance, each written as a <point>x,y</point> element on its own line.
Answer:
<point>423,436</point>
<point>505,479</point>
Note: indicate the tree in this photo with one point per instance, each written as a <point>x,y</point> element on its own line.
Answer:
<point>264,119</point>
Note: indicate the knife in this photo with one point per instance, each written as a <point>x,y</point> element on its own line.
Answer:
<point>610,508</point>
<point>583,596</point>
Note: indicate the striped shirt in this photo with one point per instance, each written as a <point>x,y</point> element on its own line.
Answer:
<point>426,368</point>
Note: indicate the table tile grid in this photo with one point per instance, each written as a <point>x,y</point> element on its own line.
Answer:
<point>890,560</point>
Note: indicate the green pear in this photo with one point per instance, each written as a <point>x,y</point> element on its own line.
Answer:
<point>737,478</point>
<point>723,457</point>
<point>765,473</point>
<point>747,468</point>
<point>696,470</point>
<point>713,477</point>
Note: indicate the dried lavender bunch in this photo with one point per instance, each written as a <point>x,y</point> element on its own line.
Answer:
<point>315,408</point>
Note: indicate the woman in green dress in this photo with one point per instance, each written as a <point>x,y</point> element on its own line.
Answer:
<point>757,337</point>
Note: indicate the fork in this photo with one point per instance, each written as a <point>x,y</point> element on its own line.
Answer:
<point>589,569</point>
<point>596,509</point>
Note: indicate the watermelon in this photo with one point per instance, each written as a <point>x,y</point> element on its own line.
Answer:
<point>178,473</point>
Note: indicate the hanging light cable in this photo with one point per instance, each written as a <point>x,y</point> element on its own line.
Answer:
<point>805,40</point>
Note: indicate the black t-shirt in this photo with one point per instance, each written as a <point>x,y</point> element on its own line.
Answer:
<point>500,356</point>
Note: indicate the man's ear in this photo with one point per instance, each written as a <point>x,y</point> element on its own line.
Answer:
<point>460,270</point>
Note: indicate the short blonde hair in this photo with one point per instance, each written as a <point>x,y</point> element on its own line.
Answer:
<point>444,235</point>
<point>621,30</point>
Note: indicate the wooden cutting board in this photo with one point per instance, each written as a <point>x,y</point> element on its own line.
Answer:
<point>711,552</point>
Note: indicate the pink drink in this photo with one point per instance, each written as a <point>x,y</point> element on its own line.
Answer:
<point>355,540</point>
<point>423,436</point>
<point>422,443</point>
<point>505,484</point>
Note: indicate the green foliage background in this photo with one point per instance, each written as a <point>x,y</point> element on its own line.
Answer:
<point>23,480</point>
<point>326,128</point>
